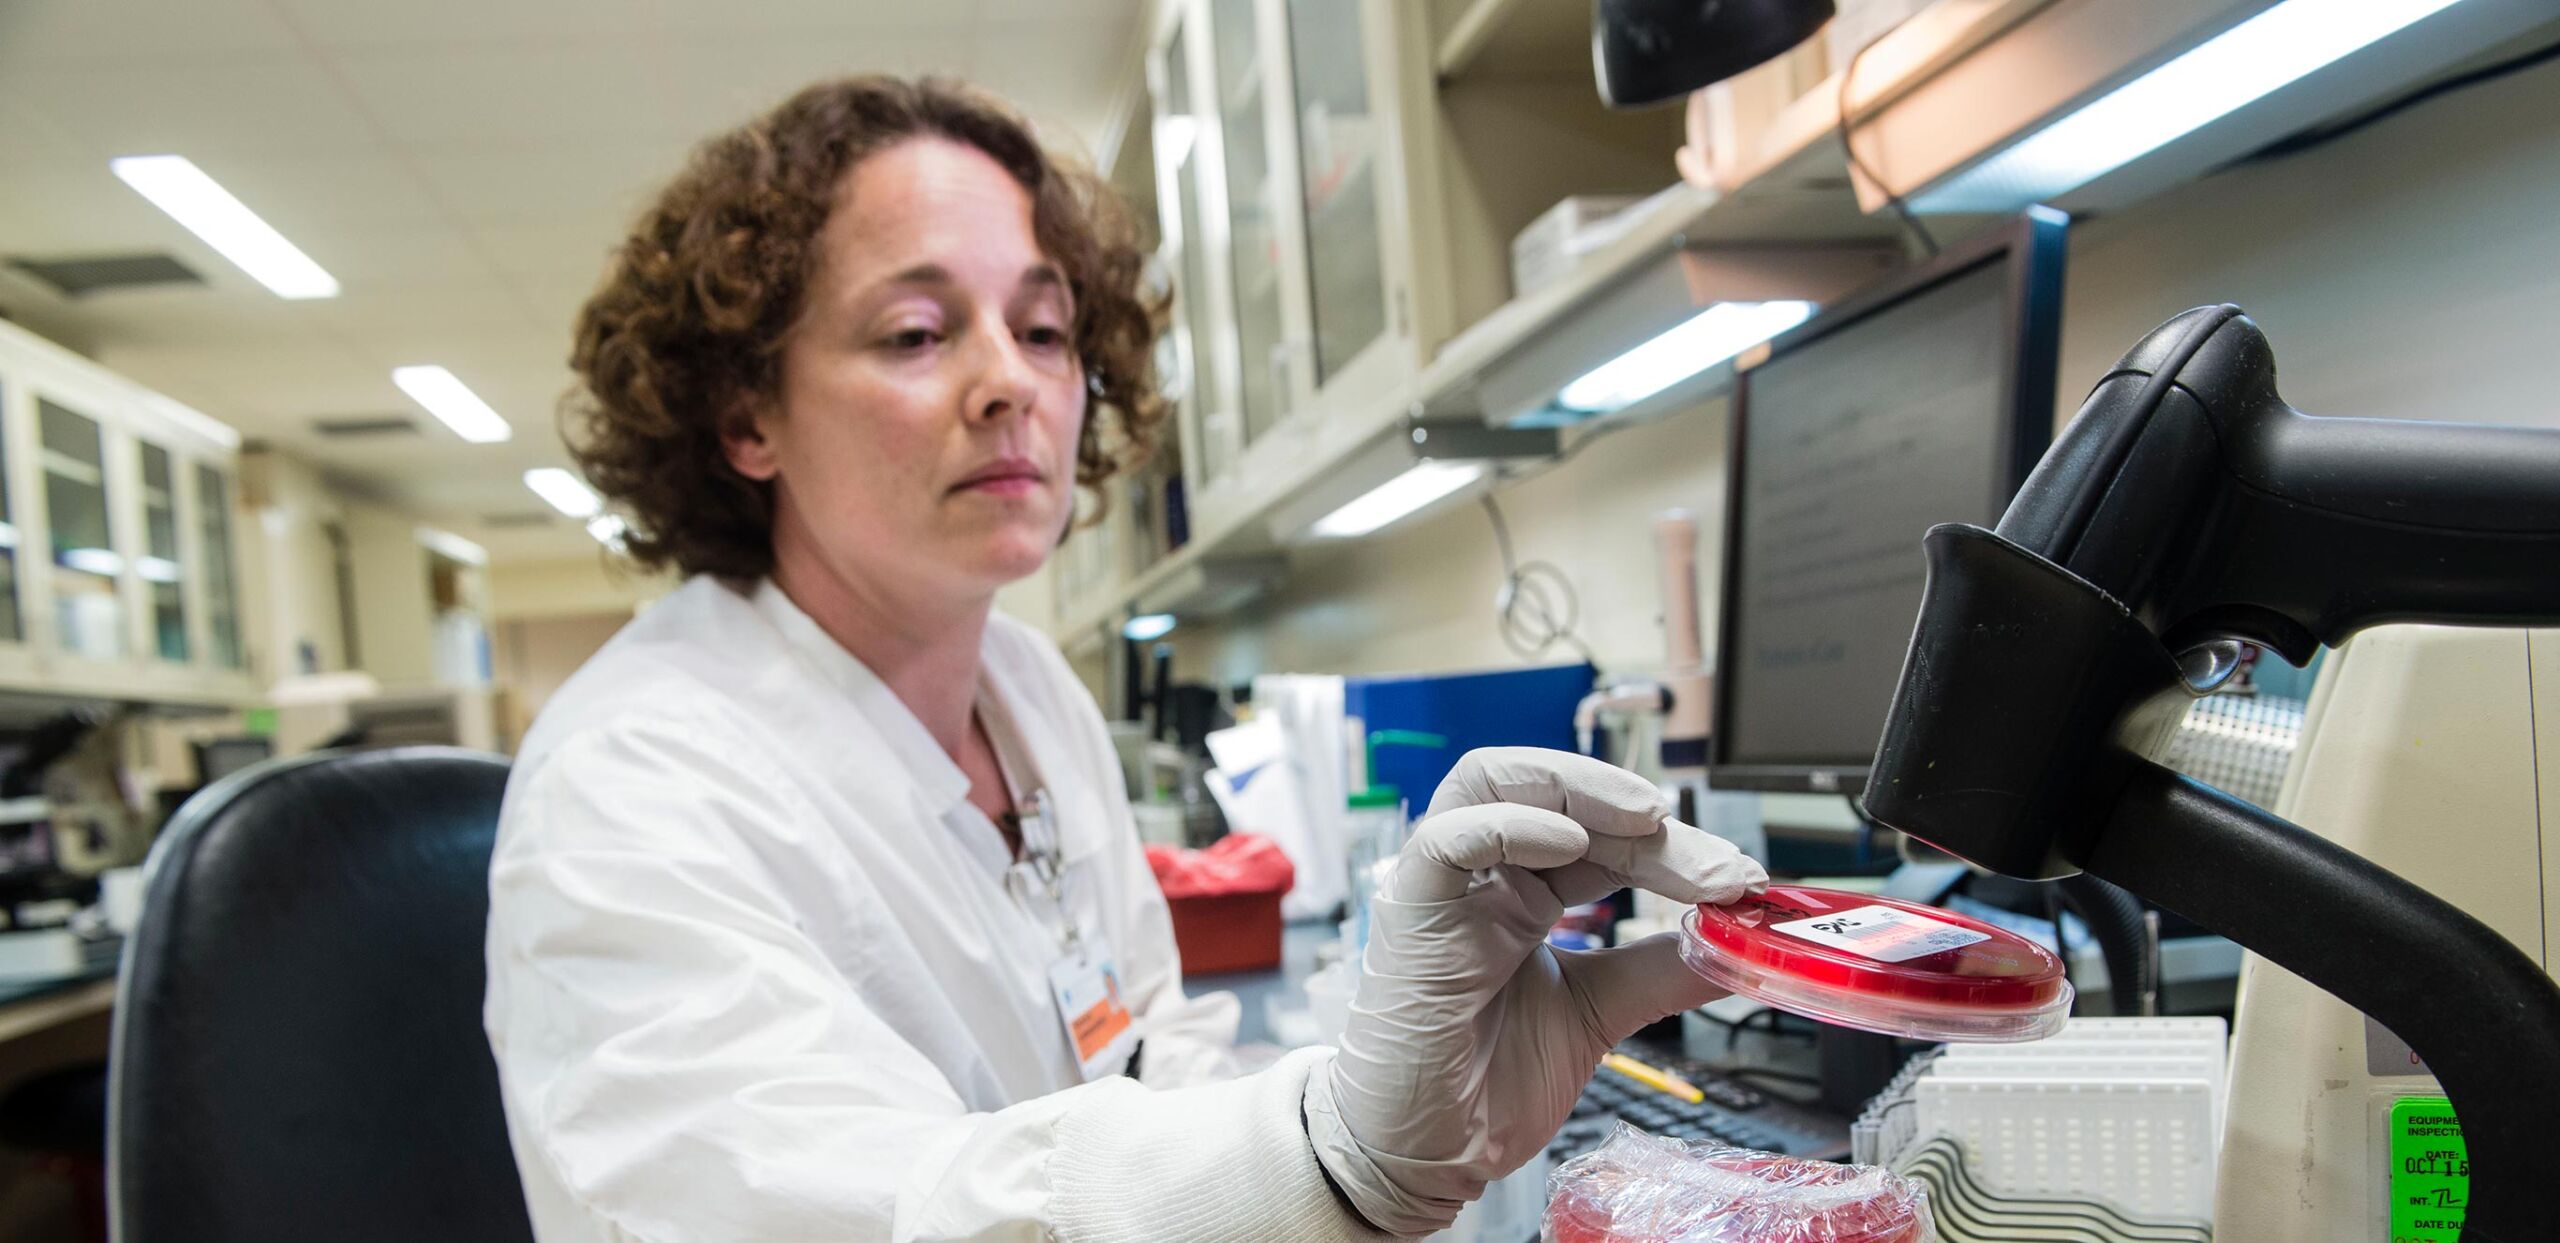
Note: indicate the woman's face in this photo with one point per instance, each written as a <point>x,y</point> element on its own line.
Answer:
<point>931,396</point>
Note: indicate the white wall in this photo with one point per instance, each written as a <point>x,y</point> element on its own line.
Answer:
<point>534,655</point>
<point>289,569</point>
<point>2410,270</point>
<point>395,618</point>
<point>569,587</point>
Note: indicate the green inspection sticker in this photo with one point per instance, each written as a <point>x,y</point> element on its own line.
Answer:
<point>2430,1171</point>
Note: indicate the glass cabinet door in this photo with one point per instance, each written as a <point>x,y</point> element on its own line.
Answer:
<point>1253,236</point>
<point>88,613</point>
<point>221,590</point>
<point>163,576</point>
<point>1184,163</point>
<point>12,627</point>
<point>1337,157</point>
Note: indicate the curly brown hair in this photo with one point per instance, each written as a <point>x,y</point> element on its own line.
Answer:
<point>691,319</point>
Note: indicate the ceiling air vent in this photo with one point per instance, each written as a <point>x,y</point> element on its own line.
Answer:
<point>518,520</point>
<point>362,425</point>
<point>92,273</point>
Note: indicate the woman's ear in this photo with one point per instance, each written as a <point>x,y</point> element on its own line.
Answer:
<point>743,441</point>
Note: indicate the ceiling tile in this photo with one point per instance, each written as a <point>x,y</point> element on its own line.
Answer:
<point>204,110</point>
<point>528,92</point>
<point>1004,18</point>
<point>1065,79</point>
<point>53,32</point>
<point>552,268</point>
<point>605,181</point>
<point>425,322</point>
<point>303,191</point>
<point>223,317</point>
<point>726,81</point>
<point>685,18</point>
<point>257,388</point>
<point>407,23</point>
<point>389,257</point>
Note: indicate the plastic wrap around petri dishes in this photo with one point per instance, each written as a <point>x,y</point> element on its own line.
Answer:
<point>1640,1188</point>
<point>1881,965</point>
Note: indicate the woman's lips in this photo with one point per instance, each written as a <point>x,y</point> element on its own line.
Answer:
<point>1009,477</point>
<point>1004,485</point>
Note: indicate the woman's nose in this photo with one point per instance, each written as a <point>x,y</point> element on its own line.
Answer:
<point>1005,383</point>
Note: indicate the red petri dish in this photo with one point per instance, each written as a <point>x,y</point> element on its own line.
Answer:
<point>1880,964</point>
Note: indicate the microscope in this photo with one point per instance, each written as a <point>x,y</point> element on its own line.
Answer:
<point>2186,512</point>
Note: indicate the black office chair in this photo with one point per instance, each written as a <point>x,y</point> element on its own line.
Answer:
<point>297,1049</point>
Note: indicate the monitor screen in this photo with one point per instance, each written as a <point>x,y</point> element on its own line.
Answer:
<point>221,757</point>
<point>1851,441</point>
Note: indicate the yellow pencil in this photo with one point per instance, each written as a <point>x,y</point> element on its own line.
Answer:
<point>1657,1079</point>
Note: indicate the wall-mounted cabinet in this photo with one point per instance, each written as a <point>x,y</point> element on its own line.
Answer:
<point>117,563</point>
<point>1281,187</point>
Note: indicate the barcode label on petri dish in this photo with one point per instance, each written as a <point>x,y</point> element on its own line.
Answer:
<point>1881,933</point>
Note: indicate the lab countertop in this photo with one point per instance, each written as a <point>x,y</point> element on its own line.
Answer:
<point>1261,992</point>
<point>31,1005</point>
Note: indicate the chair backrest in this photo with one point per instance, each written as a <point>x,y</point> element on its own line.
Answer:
<point>297,1050</point>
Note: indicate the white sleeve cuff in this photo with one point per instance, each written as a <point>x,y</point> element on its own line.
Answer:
<point>1216,1163</point>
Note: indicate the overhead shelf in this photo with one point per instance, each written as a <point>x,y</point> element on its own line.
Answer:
<point>1794,188</point>
<point>1515,38</point>
<point>1797,193</point>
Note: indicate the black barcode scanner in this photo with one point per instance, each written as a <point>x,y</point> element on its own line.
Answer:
<point>2185,511</point>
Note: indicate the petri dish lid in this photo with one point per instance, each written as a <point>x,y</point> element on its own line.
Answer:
<point>1880,964</point>
<point>1731,1195</point>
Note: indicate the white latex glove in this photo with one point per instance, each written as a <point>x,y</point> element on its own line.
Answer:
<point>1470,1038</point>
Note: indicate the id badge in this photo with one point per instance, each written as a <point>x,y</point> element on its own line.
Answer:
<point>1096,1017</point>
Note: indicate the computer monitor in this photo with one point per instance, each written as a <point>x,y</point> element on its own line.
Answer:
<point>217,758</point>
<point>1924,399</point>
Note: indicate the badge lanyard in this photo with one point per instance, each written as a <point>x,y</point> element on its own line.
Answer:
<point>1094,1017</point>
<point>1043,859</point>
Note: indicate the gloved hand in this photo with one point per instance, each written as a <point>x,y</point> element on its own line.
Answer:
<point>1470,1038</point>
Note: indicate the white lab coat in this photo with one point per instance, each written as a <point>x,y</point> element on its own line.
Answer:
<point>755,972</point>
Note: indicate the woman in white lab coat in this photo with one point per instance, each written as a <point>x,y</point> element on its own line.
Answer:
<point>817,911</point>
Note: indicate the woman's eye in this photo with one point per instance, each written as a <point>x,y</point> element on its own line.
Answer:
<point>913,338</point>
<point>1046,337</point>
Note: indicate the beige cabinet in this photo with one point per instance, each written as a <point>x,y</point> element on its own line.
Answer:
<point>117,556</point>
<point>1278,177</point>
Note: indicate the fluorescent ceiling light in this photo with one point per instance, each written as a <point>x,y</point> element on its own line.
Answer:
<point>176,186</point>
<point>1709,337</point>
<point>608,530</point>
<point>2220,76</point>
<point>156,569</point>
<point>453,403</point>
<point>1147,627</point>
<point>564,490</point>
<point>1419,485</point>
<point>99,561</point>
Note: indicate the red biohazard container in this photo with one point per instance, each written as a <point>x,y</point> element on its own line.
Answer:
<point>1225,902</point>
<point>1881,965</point>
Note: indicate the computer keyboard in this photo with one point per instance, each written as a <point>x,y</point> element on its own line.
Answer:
<point>1734,1112</point>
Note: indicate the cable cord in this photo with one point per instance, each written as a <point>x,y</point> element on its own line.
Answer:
<point>1892,197</point>
<point>2128,942</point>
<point>1536,607</point>
<point>2320,136</point>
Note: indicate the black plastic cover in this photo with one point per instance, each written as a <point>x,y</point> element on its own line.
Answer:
<point>1648,51</point>
<point>2005,744</point>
